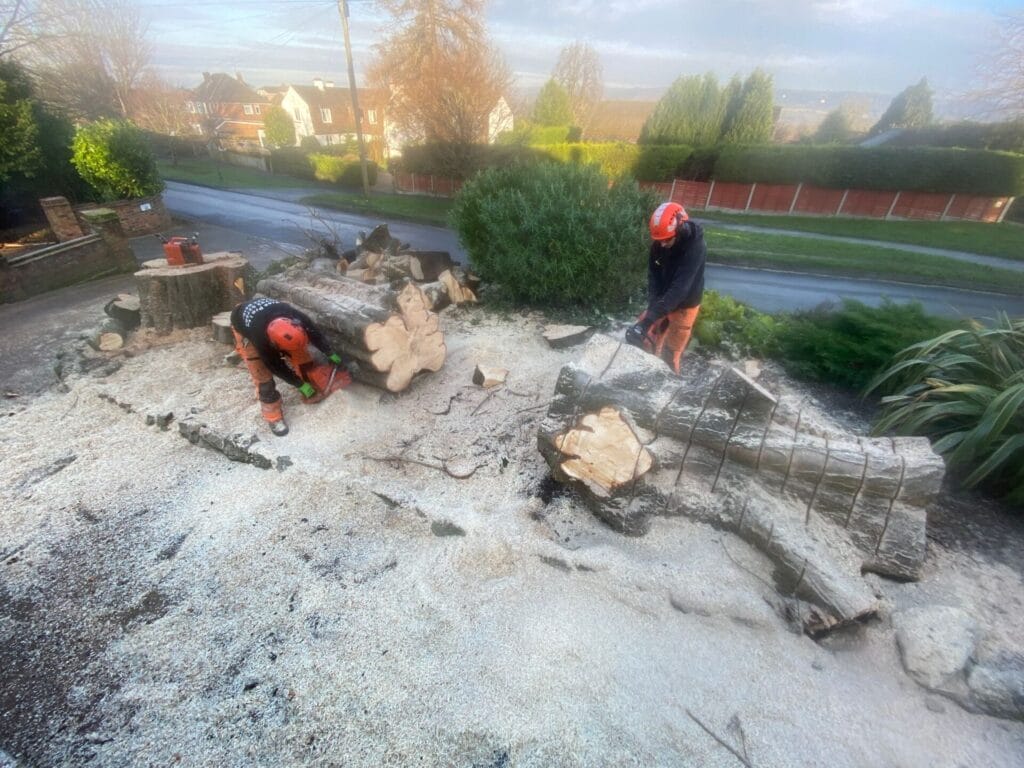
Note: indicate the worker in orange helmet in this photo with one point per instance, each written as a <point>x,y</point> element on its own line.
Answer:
<point>275,339</point>
<point>675,284</point>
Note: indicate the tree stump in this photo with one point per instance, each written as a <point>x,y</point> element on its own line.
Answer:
<point>220,324</point>
<point>392,333</point>
<point>125,309</point>
<point>637,440</point>
<point>188,296</point>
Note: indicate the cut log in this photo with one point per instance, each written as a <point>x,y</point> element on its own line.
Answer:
<point>187,297</point>
<point>457,293</point>
<point>379,240</point>
<point>124,309</point>
<point>562,336</point>
<point>109,336</point>
<point>638,441</point>
<point>427,266</point>
<point>487,376</point>
<point>436,295</point>
<point>393,334</point>
<point>221,326</point>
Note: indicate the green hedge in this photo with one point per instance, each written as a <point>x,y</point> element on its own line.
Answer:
<point>920,169</point>
<point>292,161</point>
<point>342,170</point>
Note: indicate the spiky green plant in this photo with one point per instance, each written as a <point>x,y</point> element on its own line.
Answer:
<point>965,391</point>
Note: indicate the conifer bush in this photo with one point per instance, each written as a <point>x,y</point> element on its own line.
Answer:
<point>555,235</point>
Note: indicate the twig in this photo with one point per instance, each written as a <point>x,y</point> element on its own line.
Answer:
<point>742,567</point>
<point>480,405</point>
<point>520,394</point>
<point>448,408</point>
<point>443,466</point>
<point>534,407</point>
<point>718,738</point>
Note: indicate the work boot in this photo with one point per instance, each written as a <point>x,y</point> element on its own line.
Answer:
<point>278,427</point>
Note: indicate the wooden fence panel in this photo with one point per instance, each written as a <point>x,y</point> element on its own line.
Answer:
<point>773,198</point>
<point>731,195</point>
<point>818,201</point>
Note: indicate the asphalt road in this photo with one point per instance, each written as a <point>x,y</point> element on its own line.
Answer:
<point>766,290</point>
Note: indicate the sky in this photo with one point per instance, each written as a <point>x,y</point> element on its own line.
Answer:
<point>831,45</point>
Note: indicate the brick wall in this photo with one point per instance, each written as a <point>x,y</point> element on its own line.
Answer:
<point>102,252</point>
<point>134,219</point>
<point>62,219</point>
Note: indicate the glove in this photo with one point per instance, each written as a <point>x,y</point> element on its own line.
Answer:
<point>335,358</point>
<point>307,389</point>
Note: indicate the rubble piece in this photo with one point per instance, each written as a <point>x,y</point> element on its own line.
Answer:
<point>391,333</point>
<point>936,643</point>
<point>108,336</point>
<point>487,376</point>
<point>562,336</point>
<point>125,309</point>
<point>379,241</point>
<point>236,447</point>
<point>221,326</point>
<point>458,291</point>
<point>427,266</point>
<point>726,451</point>
<point>187,297</point>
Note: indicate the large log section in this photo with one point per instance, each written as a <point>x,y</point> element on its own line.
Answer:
<point>637,441</point>
<point>187,297</point>
<point>391,332</point>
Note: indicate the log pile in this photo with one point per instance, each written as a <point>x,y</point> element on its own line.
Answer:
<point>122,317</point>
<point>637,440</point>
<point>187,297</point>
<point>390,330</point>
<point>380,259</point>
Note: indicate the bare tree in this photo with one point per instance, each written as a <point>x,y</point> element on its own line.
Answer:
<point>441,73</point>
<point>91,56</point>
<point>1002,73</point>
<point>579,71</point>
<point>158,106</point>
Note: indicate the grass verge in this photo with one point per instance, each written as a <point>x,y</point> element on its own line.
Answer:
<point>211,174</point>
<point>756,249</point>
<point>431,210</point>
<point>1005,240</point>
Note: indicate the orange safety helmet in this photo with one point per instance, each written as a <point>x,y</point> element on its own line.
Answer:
<point>287,335</point>
<point>666,219</point>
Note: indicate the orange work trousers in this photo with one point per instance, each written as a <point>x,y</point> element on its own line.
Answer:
<point>266,391</point>
<point>668,337</point>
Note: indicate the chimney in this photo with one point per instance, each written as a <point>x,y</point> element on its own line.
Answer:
<point>318,83</point>
<point>329,84</point>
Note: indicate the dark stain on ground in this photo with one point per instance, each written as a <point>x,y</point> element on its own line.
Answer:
<point>446,528</point>
<point>171,549</point>
<point>39,474</point>
<point>556,562</point>
<point>153,605</point>
<point>53,639</point>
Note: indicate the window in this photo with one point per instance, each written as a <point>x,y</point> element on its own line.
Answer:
<point>371,115</point>
<point>247,108</point>
<point>298,115</point>
<point>257,108</point>
<point>325,114</point>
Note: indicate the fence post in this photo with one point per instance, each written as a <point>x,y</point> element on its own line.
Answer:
<point>750,196</point>
<point>795,198</point>
<point>711,191</point>
<point>892,207</point>
<point>1002,214</point>
<point>672,192</point>
<point>949,204</point>
<point>842,202</point>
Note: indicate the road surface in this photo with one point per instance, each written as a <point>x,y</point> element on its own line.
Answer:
<point>764,289</point>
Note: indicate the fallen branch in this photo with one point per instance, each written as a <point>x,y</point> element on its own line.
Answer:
<point>719,739</point>
<point>443,466</point>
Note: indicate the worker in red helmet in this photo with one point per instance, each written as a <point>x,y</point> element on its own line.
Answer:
<point>675,284</point>
<point>275,339</point>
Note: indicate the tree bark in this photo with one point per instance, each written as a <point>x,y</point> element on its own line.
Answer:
<point>637,441</point>
<point>392,333</point>
<point>187,297</point>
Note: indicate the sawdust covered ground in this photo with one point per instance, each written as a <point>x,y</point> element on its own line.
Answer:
<point>410,590</point>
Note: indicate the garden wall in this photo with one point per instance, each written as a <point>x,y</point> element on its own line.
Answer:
<point>139,216</point>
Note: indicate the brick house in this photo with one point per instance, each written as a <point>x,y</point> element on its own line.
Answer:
<point>227,109</point>
<point>325,112</point>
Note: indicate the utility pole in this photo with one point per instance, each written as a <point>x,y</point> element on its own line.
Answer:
<point>343,10</point>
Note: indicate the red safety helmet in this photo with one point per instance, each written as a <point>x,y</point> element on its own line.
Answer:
<point>666,219</point>
<point>287,335</point>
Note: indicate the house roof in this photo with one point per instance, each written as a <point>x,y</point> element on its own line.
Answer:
<point>339,102</point>
<point>225,89</point>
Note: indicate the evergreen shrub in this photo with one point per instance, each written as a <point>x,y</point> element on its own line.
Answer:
<point>343,170</point>
<point>555,235</point>
<point>115,159</point>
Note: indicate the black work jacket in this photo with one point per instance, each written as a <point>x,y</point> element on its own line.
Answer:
<point>251,318</point>
<point>675,275</point>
